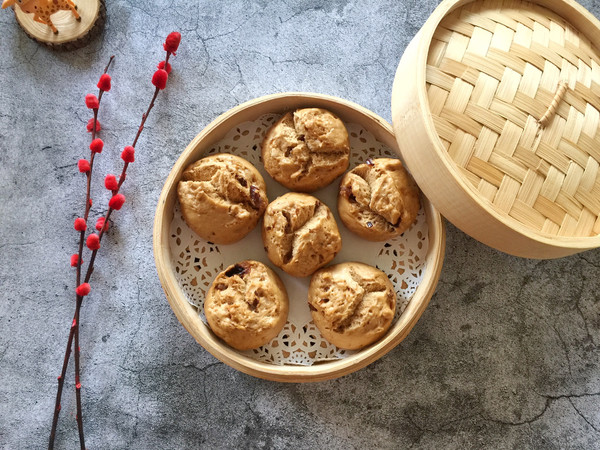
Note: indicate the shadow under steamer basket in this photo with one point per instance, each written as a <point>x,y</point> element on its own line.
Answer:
<point>188,316</point>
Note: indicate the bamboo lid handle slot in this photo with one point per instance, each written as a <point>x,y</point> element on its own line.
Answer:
<point>560,93</point>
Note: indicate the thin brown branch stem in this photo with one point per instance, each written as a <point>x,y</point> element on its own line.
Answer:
<point>145,116</point>
<point>110,60</point>
<point>79,416</point>
<point>61,381</point>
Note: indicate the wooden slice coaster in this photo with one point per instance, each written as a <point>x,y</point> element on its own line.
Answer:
<point>72,33</point>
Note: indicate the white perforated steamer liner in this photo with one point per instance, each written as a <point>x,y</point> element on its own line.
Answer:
<point>187,264</point>
<point>197,262</point>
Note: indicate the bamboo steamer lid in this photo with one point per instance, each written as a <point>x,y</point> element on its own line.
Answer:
<point>495,108</point>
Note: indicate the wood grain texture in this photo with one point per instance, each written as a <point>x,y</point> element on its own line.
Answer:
<point>72,34</point>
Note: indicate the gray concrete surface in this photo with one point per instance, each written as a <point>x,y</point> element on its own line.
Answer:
<point>506,356</point>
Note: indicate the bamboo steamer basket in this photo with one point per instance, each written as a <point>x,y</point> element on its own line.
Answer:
<point>495,109</point>
<point>188,315</point>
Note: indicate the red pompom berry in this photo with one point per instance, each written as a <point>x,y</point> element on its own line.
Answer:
<point>104,83</point>
<point>161,65</point>
<point>159,79</point>
<point>116,202</point>
<point>83,289</point>
<point>128,154</point>
<point>93,242</point>
<point>97,145</point>
<point>100,223</point>
<point>91,101</point>
<point>80,224</point>
<point>83,165</point>
<point>172,42</point>
<point>90,125</point>
<point>75,260</point>
<point>110,182</point>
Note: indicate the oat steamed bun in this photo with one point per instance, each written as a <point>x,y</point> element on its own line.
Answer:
<point>378,200</point>
<point>306,149</point>
<point>246,305</point>
<point>222,197</point>
<point>352,304</point>
<point>300,234</point>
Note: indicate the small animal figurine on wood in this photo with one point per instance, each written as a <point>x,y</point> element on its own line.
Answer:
<point>43,9</point>
<point>59,24</point>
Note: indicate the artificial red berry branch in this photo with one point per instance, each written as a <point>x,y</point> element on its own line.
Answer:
<point>93,241</point>
<point>80,225</point>
<point>96,146</point>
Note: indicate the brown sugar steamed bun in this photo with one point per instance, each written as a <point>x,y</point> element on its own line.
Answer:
<point>246,305</point>
<point>352,304</point>
<point>300,234</point>
<point>222,197</point>
<point>306,150</point>
<point>378,200</point>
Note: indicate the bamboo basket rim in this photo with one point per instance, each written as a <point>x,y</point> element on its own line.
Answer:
<point>427,32</point>
<point>187,315</point>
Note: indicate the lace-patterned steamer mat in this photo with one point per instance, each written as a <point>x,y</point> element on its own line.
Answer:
<point>197,262</point>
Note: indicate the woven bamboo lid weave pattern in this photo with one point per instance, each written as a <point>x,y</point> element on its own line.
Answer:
<point>515,91</point>
<point>513,94</point>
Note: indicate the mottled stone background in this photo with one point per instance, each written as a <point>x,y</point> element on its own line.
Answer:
<point>506,355</point>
